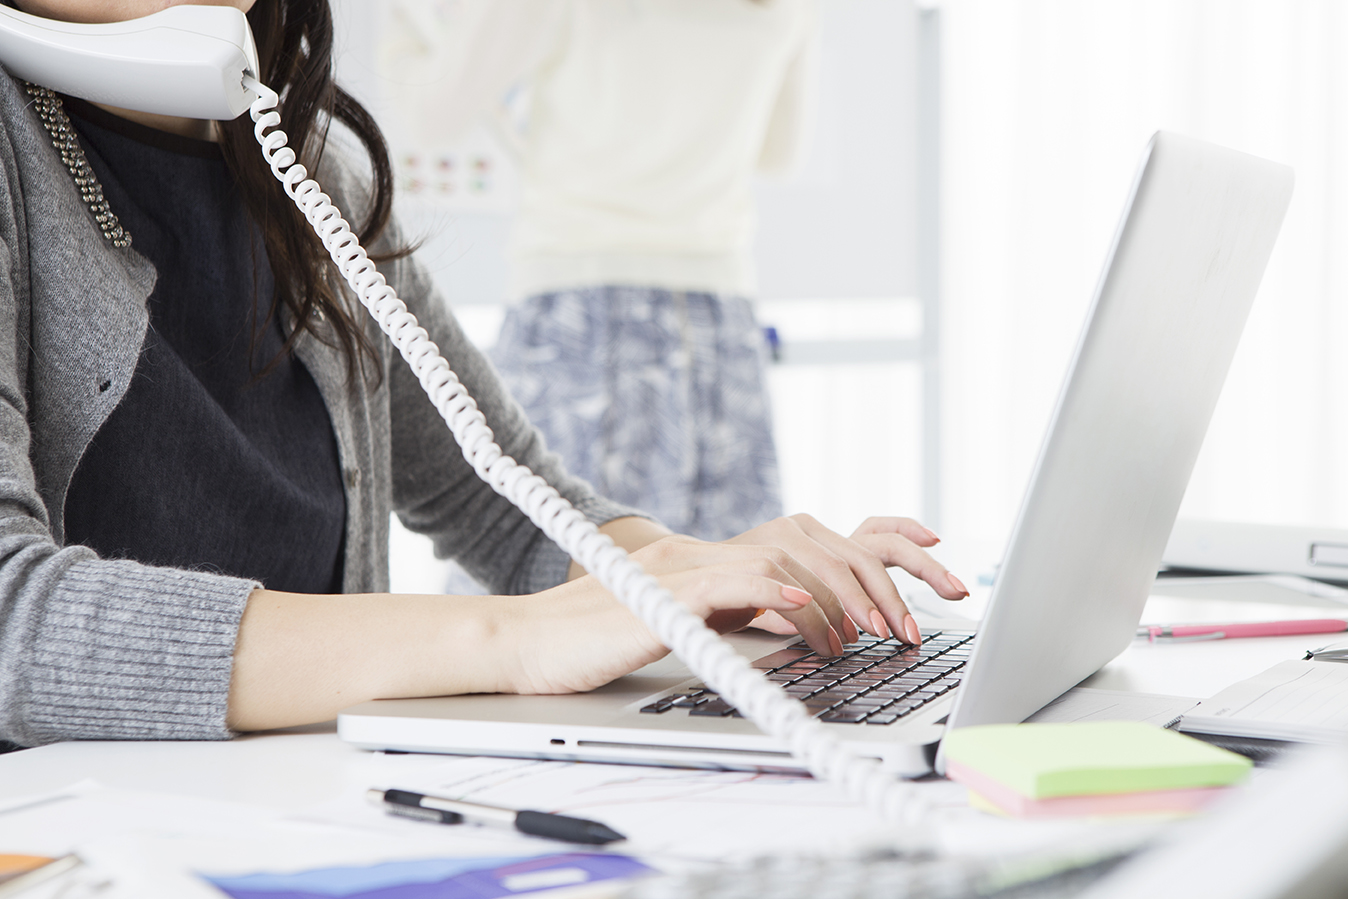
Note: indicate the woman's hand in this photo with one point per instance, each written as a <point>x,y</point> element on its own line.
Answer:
<point>302,658</point>
<point>577,636</point>
<point>851,582</point>
<point>813,581</point>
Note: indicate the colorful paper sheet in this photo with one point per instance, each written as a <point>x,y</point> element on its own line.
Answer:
<point>449,878</point>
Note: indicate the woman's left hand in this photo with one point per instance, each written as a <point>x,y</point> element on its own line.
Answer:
<point>853,585</point>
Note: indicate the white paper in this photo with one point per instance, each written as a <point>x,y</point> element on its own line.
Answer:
<point>1089,704</point>
<point>1302,701</point>
<point>680,819</point>
<point>152,845</point>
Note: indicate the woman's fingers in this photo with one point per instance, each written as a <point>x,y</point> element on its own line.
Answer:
<point>773,623</point>
<point>907,527</point>
<point>729,587</point>
<point>829,577</point>
<point>681,555</point>
<point>895,550</point>
<point>845,577</point>
<point>754,584</point>
<point>877,605</point>
<point>850,570</point>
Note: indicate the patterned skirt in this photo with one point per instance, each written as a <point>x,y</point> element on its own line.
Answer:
<point>655,397</point>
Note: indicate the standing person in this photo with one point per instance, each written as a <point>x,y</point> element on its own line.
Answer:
<point>202,436</point>
<point>632,342</point>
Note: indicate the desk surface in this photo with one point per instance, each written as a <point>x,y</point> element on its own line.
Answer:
<point>308,775</point>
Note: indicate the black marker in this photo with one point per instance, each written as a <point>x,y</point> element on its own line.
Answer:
<point>439,810</point>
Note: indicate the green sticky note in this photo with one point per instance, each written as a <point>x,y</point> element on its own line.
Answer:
<point>1089,758</point>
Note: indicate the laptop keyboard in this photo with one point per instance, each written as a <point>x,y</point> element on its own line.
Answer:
<point>874,681</point>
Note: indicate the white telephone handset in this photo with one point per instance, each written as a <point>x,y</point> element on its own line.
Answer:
<point>200,62</point>
<point>183,61</point>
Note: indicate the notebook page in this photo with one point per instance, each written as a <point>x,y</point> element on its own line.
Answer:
<point>1301,701</point>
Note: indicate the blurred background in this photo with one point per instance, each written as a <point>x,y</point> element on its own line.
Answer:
<point>927,266</point>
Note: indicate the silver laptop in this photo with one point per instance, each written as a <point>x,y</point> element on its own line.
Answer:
<point>1177,286</point>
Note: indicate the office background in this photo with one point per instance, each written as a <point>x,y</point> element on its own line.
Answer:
<point>1044,109</point>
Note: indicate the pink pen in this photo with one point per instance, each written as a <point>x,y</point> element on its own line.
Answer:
<point>1250,629</point>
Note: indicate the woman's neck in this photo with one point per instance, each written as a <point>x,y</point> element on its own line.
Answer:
<point>200,129</point>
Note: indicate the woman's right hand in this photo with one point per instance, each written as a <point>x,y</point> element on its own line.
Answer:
<point>302,658</point>
<point>577,636</point>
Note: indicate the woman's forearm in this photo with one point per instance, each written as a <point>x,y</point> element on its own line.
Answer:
<point>302,658</point>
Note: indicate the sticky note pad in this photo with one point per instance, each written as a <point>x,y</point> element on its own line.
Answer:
<point>1040,761</point>
<point>1000,800</point>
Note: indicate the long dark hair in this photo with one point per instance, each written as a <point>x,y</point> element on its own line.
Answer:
<point>294,43</point>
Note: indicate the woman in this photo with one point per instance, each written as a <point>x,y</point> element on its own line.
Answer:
<point>201,441</point>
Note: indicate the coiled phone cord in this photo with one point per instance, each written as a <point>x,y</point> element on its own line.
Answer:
<point>711,658</point>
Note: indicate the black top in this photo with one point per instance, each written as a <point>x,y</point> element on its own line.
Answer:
<point>205,463</point>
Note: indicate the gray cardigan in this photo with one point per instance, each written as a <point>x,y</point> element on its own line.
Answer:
<point>93,648</point>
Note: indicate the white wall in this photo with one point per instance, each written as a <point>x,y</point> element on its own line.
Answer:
<point>843,226</point>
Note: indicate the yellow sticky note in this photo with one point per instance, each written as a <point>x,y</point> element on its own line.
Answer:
<point>1040,761</point>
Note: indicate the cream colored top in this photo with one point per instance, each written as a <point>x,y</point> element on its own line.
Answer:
<point>646,122</point>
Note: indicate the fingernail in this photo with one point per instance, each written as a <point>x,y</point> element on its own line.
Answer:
<point>910,628</point>
<point>850,629</point>
<point>878,626</point>
<point>834,644</point>
<point>955,582</point>
<point>796,596</point>
<point>932,535</point>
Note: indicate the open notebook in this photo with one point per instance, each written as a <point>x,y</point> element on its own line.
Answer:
<point>1305,702</point>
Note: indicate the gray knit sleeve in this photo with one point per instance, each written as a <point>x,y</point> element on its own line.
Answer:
<point>435,492</point>
<point>92,649</point>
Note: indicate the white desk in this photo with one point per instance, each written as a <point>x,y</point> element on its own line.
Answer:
<point>306,767</point>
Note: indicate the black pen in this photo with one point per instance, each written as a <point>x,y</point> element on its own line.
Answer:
<point>440,810</point>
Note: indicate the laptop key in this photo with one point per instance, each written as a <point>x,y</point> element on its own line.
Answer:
<point>908,684</point>
<point>716,708</point>
<point>778,659</point>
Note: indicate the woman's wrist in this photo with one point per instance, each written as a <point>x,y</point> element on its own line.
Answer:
<point>573,638</point>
